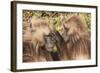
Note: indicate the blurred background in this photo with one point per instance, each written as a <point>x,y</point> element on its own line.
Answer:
<point>56,18</point>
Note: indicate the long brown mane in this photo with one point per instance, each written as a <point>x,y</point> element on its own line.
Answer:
<point>77,38</point>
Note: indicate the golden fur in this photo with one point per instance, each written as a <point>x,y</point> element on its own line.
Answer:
<point>77,38</point>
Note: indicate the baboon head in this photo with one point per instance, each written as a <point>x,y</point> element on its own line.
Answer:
<point>35,44</point>
<point>39,28</point>
<point>74,26</point>
<point>42,34</point>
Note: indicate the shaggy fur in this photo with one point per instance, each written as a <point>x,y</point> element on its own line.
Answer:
<point>33,41</point>
<point>77,38</point>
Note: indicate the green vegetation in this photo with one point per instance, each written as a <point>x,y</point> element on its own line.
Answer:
<point>56,18</point>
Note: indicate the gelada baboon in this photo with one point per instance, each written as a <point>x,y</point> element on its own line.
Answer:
<point>34,43</point>
<point>77,38</point>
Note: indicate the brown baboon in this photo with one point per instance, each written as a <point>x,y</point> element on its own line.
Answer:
<point>34,43</point>
<point>39,28</point>
<point>77,38</point>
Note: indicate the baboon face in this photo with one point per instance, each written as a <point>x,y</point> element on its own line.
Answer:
<point>73,26</point>
<point>70,27</point>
